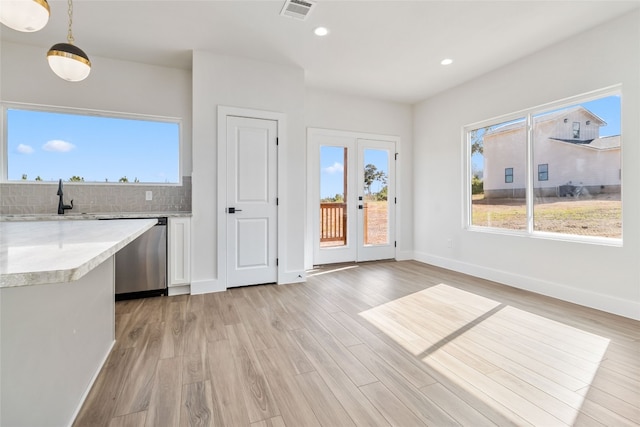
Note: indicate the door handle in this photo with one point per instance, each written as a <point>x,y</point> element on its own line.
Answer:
<point>359,206</point>
<point>233,210</point>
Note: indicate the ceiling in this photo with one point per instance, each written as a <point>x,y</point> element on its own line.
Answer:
<point>383,49</point>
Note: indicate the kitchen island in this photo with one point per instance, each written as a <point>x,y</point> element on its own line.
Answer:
<point>57,320</point>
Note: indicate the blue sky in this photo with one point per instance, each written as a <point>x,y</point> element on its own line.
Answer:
<point>332,168</point>
<point>608,109</point>
<point>57,146</point>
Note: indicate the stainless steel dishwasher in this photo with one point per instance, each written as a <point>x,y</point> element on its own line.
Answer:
<point>141,266</point>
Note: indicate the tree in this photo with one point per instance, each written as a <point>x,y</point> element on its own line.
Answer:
<point>38,178</point>
<point>383,194</point>
<point>477,140</point>
<point>123,179</point>
<point>76,178</point>
<point>24,176</point>
<point>338,198</point>
<point>477,186</point>
<point>371,175</point>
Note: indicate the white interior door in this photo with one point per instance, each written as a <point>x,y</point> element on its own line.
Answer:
<point>252,209</point>
<point>354,192</point>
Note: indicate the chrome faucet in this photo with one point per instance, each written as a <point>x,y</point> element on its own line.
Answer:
<point>61,206</point>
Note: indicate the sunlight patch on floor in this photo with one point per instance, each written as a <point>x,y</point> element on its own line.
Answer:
<point>527,367</point>
<point>321,271</point>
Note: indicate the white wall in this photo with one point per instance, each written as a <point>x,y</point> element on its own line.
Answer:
<point>113,85</point>
<point>237,82</point>
<point>330,110</point>
<point>605,277</point>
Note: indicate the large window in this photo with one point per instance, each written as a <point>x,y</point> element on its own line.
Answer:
<point>579,140</point>
<point>47,145</point>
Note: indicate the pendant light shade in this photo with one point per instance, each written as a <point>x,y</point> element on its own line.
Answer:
<point>68,61</point>
<point>24,15</point>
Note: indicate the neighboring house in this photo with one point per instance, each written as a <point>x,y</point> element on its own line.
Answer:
<point>569,156</point>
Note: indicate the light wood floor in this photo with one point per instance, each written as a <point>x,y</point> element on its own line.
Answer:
<point>392,343</point>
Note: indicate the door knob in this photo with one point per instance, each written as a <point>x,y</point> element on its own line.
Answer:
<point>233,210</point>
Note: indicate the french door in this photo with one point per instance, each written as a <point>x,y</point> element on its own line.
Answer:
<point>354,192</point>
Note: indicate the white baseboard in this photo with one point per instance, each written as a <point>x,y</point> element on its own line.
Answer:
<point>206,286</point>
<point>292,277</point>
<point>179,290</point>
<point>614,305</point>
<point>93,380</point>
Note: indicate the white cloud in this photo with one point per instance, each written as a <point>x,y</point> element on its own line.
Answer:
<point>58,145</point>
<point>24,149</point>
<point>335,168</point>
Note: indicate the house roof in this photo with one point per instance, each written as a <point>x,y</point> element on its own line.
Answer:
<point>606,143</point>
<point>560,114</point>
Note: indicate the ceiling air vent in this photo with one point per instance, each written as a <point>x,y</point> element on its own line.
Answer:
<point>298,9</point>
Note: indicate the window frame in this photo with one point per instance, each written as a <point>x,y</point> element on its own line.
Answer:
<point>4,155</point>
<point>528,114</point>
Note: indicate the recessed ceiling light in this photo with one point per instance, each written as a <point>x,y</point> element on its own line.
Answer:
<point>321,31</point>
<point>446,61</point>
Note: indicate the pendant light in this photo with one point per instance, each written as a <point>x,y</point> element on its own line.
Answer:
<point>68,61</point>
<point>24,15</point>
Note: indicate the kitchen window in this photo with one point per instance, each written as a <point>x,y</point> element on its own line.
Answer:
<point>48,144</point>
<point>581,200</point>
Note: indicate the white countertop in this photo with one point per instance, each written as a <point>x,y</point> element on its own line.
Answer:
<point>39,252</point>
<point>85,216</point>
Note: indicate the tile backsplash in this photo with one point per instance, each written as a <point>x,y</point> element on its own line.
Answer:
<point>41,198</point>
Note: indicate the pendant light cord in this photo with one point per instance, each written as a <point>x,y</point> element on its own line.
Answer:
<point>69,32</point>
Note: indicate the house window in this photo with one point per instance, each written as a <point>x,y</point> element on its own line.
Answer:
<point>52,144</point>
<point>543,172</point>
<point>581,200</point>
<point>508,175</point>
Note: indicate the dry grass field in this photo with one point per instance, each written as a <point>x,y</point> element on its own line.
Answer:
<point>599,215</point>
<point>378,225</point>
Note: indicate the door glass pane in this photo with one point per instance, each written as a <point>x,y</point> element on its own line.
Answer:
<point>333,193</point>
<point>375,203</point>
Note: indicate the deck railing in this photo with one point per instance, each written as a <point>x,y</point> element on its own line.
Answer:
<point>333,222</point>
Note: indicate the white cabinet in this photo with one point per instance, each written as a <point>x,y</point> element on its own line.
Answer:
<point>179,251</point>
